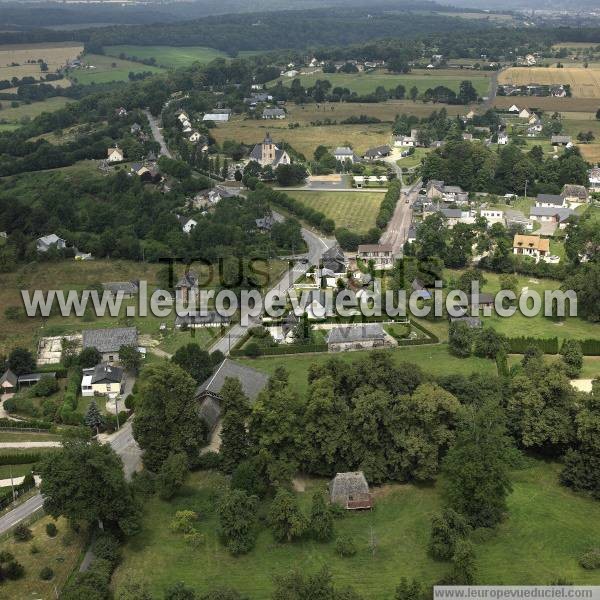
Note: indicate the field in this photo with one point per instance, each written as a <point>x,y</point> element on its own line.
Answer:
<point>550,104</point>
<point>366,83</point>
<point>591,152</point>
<point>55,55</point>
<point>167,56</point>
<point>557,524</point>
<point>61,553</point>
<point>107,68</point>
<point>354,210</point>
<point>585,83</point>
<point>14,115</point>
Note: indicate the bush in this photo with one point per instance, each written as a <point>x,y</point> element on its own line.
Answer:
<point>591,559</point>
<point>184,521</point>
<point>14,570</point>
<point>45,387</point>
<point>46,574</point>
<point>6,556</point>
<point>252,350</point>
<point>107,548</point>
<point>51,530</point>
<point>344,546</point>
<point>130,402</point>
<point>34,549</point>
<point>22,533</point>
<point>209,461</point>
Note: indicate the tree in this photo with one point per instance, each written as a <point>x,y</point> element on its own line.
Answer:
<point>447,529</point>
<point>235,410</point>
<point>572,357</point>
<point>463,568</point>
<point>237,521</point>
<point>412,590</point>
<point>488,343</point>
<point>414,93</point>
<point>460,338</point>
<point>477,467</point>
<point>20,361</point>
<point>167,420</point>
<point>292,174</point>
<point>89,357</point>
<point>285,517</point>
<point>130,358</point>
<point>171,475</point>
<point>297,586</point>
<point>84,481</point>
<point>321,519</point>
<point>93,419</point>
<point>195,361</point>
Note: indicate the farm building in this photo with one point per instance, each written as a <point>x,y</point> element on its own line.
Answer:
<point>357,337</point>
<point>351,491</point>
<point>109,341</point>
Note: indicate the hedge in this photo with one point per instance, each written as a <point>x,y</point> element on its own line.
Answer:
<point>518,345</point>
<point>21,458</point>
<point>590,347</point>
<point>388,205</point>
<point>31,424</point>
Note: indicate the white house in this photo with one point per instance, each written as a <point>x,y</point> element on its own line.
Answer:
<point>222,117</point>
<point>544,214</point>
<point>525,114</point>
<point>102,380</point>
<point>187,224</point>
<point>514,109</point>
<point>550,201</point>
<point>195,136</point>
<point>531,245</point>
<point>183,117</point>
<point>493,215</point>
<point>114,155</point>
<point>594,178</point>
<point>344,154</point>
<point>273,113</point>
<point>502,138</point>
<point>46,242</point>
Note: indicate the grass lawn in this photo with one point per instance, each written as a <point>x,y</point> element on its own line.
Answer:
<point>557,524</point>
<point>14,115</point>
<point>366,83</point>
<point>61,553</point>
<point>167,56</point>
<point>107,68</point>
<point>28,436</point>
<point>6,471</point>
<point>414,159</point>
<point>356,211</point>
<point>433,359</point>
<point>8,127</point>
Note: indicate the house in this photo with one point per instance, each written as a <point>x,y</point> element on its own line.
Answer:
<point>114,155</point>
<point>187,224</point>
<point>182,117</point>
<point>550,201</point>
<point>525,113</point>
<point>344,154</point>
<point>467,137</point>
<point>453,216</point>
<point>199,319</point>
<point>258,97</point>
<point>435,189</point>
<point>8,382</point>
<point>109,341</point>
<point>126,289</point>
<point>454,193</point>
<point>378,152</point>
<point>381,255</point>
<point>558,91</point>
<point>274,113</point>
<point>594,179</point>
<point>418,286</point>
<point>187,283</point>
<point>269,154</point>
<point>371,180</point>
<point>546,214</point>
<point>195,137</point>
<point>46,242</point>
<point>334,260</point>
<point>265,223</point>
<point>102,380</point>
<point>574,193</point>
<point>121,111</point>
<point>291,73</point>
<point>404,141</point>
<point>561,140</point>
<point>135,128</point>
<point>221,117</point>
<point>514,109</point>
<point>208,393</point>
<point>357,337</point>
<point>351,491</point>
<point>502,138</point>
<point>531,245</point>
<point>493,216</point>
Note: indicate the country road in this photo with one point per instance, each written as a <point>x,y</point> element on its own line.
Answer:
<point>122,443</point>
<point>157,134</point>
<point>396,232</point>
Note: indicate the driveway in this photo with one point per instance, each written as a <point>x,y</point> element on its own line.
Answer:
<point>157,134</point>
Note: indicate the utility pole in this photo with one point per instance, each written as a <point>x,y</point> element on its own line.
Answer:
<point>117,410</point>
<point>12,487</point>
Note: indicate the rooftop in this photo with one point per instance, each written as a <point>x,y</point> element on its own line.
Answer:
<point>109,339</point>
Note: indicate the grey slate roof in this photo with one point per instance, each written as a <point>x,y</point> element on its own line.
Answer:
<point>334,259</point>
<point>270,113</point>
<point>188,280</point>
<point>9,377</point>
<point>548,211</point>
<point>378,151</point>
<point>197,318</point>
<point>106,373</point>
<point>356,333</point>
<point>35,377</point>
<point>127,287</point>
<point>253,382</point>
<point>347,486</point>
<point>110,339</point>
<point>555,199</point>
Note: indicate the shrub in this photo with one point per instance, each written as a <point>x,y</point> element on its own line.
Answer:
<point>252,350</point>
<point>51,530</point>
<point>34,549</point>
<point>45,387</point>
<point>14,570</point>
<point>344,546</point>
<point>209,461</point>
<point>22,533</point>
<point>591,559</point>
<point>107,548</point>
<point>183,522</point>
<point>130,402</point>
<point>6,556</point>
<point>46,574</point>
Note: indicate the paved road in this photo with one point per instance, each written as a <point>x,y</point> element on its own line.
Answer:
<point>157,134</point>
<point>316,246</point>
<point>122,443</point>
<point>396,232</point>
<point>30,444</point>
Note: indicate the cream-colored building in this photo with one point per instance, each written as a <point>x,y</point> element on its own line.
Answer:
<point>102,380</point>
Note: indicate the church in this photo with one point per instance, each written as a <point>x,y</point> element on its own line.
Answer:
<point>269,153</point>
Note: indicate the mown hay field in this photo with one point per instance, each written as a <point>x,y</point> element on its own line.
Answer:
<point>55,55</point>
<point>585,83</point>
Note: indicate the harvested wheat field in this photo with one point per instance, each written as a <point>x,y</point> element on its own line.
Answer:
<point>550,104</point>
<point>585,83</point>
<point>20,60</point>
